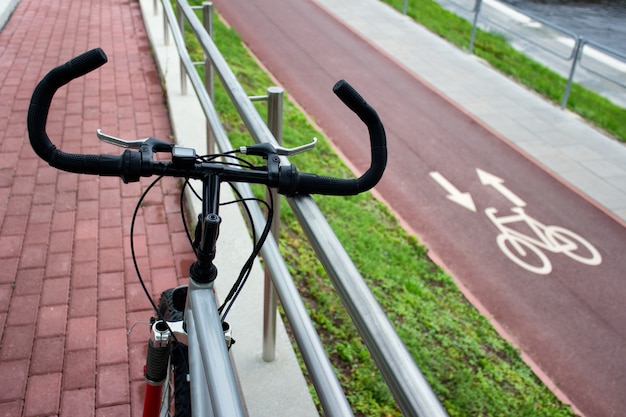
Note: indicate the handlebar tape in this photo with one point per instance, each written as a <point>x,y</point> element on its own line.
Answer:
<point>304,183</point>
<point>108,165</point>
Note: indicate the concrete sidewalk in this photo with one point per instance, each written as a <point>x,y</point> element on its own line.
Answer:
<point>581,155</point>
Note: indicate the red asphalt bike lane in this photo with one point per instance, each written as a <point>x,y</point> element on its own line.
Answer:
<point>571,323</point>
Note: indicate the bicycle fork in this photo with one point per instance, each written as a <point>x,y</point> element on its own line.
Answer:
<point>157,368</point>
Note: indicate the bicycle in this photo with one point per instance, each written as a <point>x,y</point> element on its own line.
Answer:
<point>517,246</point>
<point>188,359</point>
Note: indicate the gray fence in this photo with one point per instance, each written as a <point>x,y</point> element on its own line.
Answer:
<point>599,61</point>
<point>411,391</point>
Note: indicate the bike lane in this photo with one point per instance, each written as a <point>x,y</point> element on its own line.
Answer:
<point>569,322</point>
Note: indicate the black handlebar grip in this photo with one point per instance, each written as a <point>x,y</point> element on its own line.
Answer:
<point>38,115</point>
<point>303,183</point>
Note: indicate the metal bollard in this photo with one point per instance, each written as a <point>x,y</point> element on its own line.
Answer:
<point>166,34</point>
<point>580,42</point>
<point>183,74</point>
<point>275,124</point>
<point>474,25</point>
<point>207,20</point>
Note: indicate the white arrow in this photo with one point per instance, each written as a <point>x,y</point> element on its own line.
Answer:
<point>462,199</point>
<point>498,183</point>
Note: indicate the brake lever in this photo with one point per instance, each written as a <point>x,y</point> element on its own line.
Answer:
<point>298,149</point>
<point>156,144</point>
<point>265,149</point>
<point>122,143</point>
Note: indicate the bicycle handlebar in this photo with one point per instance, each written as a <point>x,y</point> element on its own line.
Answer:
<point>131,165</point>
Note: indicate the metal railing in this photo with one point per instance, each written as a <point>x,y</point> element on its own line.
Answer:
<point>575,54</point>
<point>572,51</point>
<point>407,384</point>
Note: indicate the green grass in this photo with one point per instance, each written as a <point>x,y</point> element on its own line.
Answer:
<point>494,49</point>
<point>471,368</point>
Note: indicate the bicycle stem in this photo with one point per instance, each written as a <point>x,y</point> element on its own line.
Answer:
<point>207,231</point>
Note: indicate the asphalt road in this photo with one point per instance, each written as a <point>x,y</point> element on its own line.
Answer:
<point>569,319</point>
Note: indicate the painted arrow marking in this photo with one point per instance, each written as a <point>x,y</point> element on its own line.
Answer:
<point>462,199</point>
<point>498,184</point>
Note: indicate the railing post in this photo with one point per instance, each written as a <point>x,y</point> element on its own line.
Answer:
<point>166,34</point>
<point>181,25</point>
<point>405,6</point>
<point>474,25</point>
<point>207,21</point>
<point>577,52</point>
<point>275,124</point>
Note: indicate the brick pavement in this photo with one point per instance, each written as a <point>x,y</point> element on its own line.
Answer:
<point>68,291</point>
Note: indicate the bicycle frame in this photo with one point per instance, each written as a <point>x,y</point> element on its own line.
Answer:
<point>210,369</point>
<point>213,386</point>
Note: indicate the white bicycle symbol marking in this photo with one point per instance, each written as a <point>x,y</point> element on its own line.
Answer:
<point>525,250</point>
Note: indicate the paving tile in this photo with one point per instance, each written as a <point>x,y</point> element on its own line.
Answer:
<point>110,237</point>
<point>112,347</point>
<point>81,333</point>
<point>112,385</point>
<point>85,251</point>
<point>160,255</point>
<point>111,217</point>
<point>9,268</point>
<point>28,281</point>
<point>138,393</point>
<point>111,313</point>
<point>11,408</point>
<point>163,278</point>
<point>17,342</point>
<point>47,356</point>
<point>43,395</point>
<point>16,389</point>
<point>135,297</point>
<point>23,310</point>
<point>81,402</point>
<point>63,221</point>
<point>111,260</point>
<point>79,369</point>
<point>61,241</point>
<point>137,359</point>
<point>55,291</point>
<point>6,291</point>
<point>51,321</point>
<point>14,224</point>
<point>86,229</point>
<point>10,246</point>
<point>87,209</point>
<point>111,285</point>
<point>83,302</point>
<point>33,256</point>
<point>59,265</point>
<point>157,234</point>
<point>110,198</point>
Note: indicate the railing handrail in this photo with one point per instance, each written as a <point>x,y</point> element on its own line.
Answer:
<point>322,374</point>
<point>612,53</point>
<point>576,51</point>
<point>413,394</point>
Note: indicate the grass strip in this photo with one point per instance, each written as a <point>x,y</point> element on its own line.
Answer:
<point>495,49</point>
<point>471,368</point>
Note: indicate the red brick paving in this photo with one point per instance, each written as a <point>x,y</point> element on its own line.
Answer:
<point>68,291</point>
